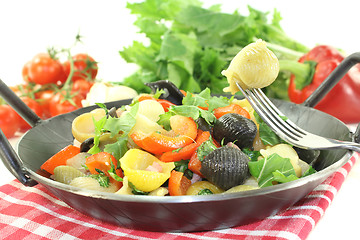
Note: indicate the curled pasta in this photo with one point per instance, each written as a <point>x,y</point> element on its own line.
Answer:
<point>196,187</point>
<point>136,164</point>
<point>92,184</point>
<point>83,125</point>
<point>125,189</point>
<point>66,174</point>
<point>255,66</point>
<point>151,109</point>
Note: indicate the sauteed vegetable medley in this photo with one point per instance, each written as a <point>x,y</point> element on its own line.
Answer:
<point>195,144</point>
<point>207,145</point>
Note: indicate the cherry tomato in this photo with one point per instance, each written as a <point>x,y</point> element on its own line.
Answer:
<point>60,105</point>
<point>44,70</point>
<point>44,97</point>
<point>25,72</point>
<point>9,121</point>
<point>82,86</point>
<point>33,105</point>
<point>85,67</point>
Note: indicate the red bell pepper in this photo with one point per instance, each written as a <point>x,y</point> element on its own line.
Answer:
<point>187,151</point>
<point>185,129</point>
<point>343,101</point>
<point>178,183</point>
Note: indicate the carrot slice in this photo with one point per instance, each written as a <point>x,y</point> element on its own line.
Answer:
<point>178,183</point>
<point>60,158</point>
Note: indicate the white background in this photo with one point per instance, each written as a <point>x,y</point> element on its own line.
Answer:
<point>29,27</point>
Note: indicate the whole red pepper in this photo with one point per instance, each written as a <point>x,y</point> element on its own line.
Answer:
<point>343,101</point>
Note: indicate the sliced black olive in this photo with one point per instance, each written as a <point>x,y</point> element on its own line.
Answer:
<point>235,128</point>
<point>226,167</point>
<point>307,155</point>
<point>203,124</point>
<point>172,93</point>
<point>87,144</point>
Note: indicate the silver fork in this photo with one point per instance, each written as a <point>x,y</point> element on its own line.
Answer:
<point>288,130</point>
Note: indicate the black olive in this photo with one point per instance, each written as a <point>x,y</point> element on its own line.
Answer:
<point>235,128</point>
<point>112,113</point>
<point>203,124</point>
<point>226,167</point>
<point>172,93</point>
<point>87,144</point>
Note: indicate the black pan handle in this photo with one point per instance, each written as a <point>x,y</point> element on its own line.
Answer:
<point>333,78</point>
<point>18,105</point>
<point>12,161</point>
<point>8,156</point>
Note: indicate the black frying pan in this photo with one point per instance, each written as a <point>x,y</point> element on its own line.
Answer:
<point>175,213</point>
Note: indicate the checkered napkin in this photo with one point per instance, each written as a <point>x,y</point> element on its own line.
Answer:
<point>34,213</point>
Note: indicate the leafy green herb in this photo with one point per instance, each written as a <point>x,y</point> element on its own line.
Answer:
<point>205,191</point>
<point>103,180</point>
<point>181,165</point>
<point>253,155</point>
<point>99,129</point>
<point>205,148</point>
<point>309,171</point>
<point>136,191</point>
<point>191,44</point>
<point>190,108</point>
<point>281,178</point>
<point>263,170</point>
<point>103,106</point>
<point>113,174</point>
<point>123,125</point>
<point>267,135</point>
<point>204,99</point>
<point>158,93</point>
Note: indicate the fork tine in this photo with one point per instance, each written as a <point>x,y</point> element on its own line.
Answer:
<point>286,129</point>
<point>272,119</point>
<point>278,112</point>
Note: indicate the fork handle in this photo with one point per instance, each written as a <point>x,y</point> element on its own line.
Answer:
<point>350,146</point>
<point>333,78</point>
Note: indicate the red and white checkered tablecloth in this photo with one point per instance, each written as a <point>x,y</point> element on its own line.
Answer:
<point>34,213</point>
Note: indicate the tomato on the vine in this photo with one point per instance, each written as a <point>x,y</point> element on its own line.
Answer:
<point>43,98</point>
<point>85,67</point>
<point>82,86</point>
<point>60,103</point>
<point>25,72</point>
<point>33,105</point>
<point>9,121</point>
<point>44,70</point>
